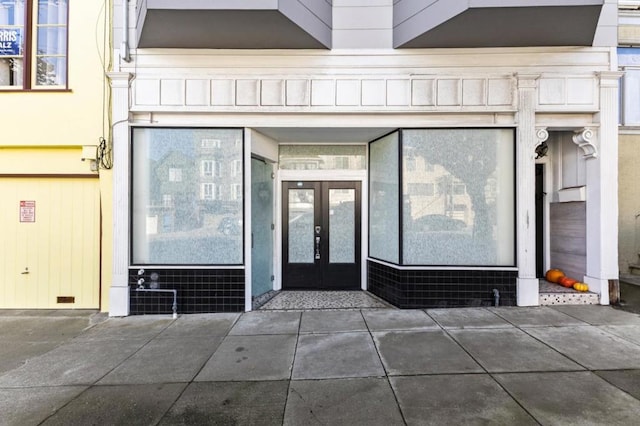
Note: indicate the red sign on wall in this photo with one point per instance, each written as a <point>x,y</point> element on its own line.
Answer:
<point>27,211</point>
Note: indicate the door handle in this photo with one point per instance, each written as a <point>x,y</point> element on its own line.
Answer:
<point>317,228</point>
<point>25,272</point>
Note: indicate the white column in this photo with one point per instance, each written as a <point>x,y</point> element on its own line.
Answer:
<point>527,140</point>
<point>602,192</point>
<point>119,292</point>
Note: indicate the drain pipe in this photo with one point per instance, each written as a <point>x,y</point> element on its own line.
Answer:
<point>124,46</point>
<point>496,297</point>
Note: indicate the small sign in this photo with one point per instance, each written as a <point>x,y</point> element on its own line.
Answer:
<point>10,41</point>
<point>27,211</point>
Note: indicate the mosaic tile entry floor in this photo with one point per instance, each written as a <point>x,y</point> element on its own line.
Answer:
<point>555,294</point>
<point>304,300</point>
<point>550,294</point>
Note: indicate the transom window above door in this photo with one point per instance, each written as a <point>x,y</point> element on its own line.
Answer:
<point>323,157</point>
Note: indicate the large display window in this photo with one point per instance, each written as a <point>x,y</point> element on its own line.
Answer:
<point>187,197</point>
<point>457,201</point>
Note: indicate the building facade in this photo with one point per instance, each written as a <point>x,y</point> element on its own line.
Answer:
<point>434,153</point>
<point>53,176</point>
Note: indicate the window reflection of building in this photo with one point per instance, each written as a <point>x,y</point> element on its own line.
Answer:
<point>188,185</point>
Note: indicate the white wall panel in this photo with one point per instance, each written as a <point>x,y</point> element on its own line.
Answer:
<point>172,92</point>
<point>398,92</point>
<point>423,92</point>
<point>348,92</point>
<point>323,92</point>
<point>297,92</point>
<point>568,92</point>
<point>248,92</point>
<point>223,92</point>
<point>272,93</point>
<point>401,93</point>
<point>448,92</point>
<point>147,92</point>
<point>474,92</point>
<point>197,92</point>
<point>373,92</point>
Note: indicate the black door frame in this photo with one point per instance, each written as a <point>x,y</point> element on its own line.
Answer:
<point>322,274</point>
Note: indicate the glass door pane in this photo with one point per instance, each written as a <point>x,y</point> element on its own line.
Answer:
<point>261,230</point>
<point>301,223</point>
<point>342,230</point>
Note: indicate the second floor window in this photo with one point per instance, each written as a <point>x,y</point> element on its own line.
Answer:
<point>33,44</point>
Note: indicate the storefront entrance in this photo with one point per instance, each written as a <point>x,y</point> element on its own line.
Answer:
<point>321,235</point>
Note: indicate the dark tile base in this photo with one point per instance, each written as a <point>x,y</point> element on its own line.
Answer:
<point>412,289</point>
<point>199,291</point>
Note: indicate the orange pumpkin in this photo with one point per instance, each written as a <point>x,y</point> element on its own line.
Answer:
<point>567,282</point>
<point>554,275</point>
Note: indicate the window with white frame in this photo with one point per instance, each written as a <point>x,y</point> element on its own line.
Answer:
<point>33,44</point>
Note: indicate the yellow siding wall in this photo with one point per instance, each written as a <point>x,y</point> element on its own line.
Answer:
<point>56,254</point>
<point>69,118</point>
<point>43,134</point>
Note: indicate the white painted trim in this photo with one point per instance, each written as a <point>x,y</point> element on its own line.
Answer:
<point>528,293</point>
<point>248,306</point>
<point>119,300</point>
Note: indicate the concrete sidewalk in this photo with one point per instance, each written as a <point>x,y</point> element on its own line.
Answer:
<point>561,365</point>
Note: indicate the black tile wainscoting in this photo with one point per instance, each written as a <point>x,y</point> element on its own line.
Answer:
<point>415,289</point>
<point>199,291</point>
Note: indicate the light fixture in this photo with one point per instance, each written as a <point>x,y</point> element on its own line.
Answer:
<point>541,150</point>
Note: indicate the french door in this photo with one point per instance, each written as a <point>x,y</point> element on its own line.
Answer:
<point>321,234</point>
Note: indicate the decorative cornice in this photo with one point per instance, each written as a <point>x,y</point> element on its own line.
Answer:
<point>610,79</point>
<point>582,138</point>
<point>120,79</point>
<point>542,134</point>
<point>541,148</point>
<point>527,81</point>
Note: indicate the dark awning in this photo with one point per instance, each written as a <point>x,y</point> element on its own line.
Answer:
<point>488,23</point>
<point>234,24</point>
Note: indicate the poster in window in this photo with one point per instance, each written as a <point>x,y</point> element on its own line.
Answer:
<point>10,41</point>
